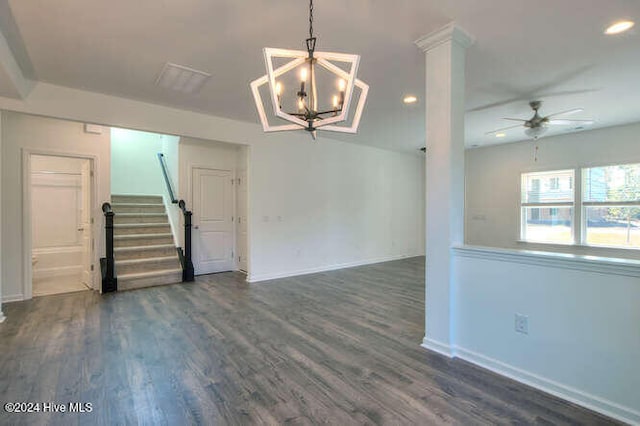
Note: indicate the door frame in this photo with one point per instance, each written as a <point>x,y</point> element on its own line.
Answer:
<point>27,243</point>
<point>191,167</point>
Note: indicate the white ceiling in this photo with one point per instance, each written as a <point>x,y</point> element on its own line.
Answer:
<point>548,49</point>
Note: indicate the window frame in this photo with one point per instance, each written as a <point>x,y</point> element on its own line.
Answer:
<point>585,204</point>
<point>579,207</point>
<point>561,204</point>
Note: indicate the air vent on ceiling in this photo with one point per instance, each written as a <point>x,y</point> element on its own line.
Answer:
<point>181,78</point>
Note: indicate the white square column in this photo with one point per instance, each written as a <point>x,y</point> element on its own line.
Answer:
<point>445,52</point>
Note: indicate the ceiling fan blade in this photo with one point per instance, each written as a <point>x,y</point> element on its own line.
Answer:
<point>562,122</point>
<point>568,112</point>
<point>515,119</point>
<point>532,95</point>
<point>503,129</point>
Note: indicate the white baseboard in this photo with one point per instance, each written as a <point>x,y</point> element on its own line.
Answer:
<point>439,347</point>
<point>13,298</point>
<point>592,402</point>
<point>254,278</point>
<point>59,271</point>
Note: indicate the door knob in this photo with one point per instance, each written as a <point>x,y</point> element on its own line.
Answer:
<point>81,229</point>
<point>196,227</point>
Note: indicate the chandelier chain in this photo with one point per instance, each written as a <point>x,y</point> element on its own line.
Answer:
<point>310,18</point>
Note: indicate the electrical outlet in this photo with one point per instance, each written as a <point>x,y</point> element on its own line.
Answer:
<point>522,324</point>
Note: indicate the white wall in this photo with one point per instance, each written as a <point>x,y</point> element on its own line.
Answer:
<point>135,168</point>
<point>327,204</point>
<point>21,131</point>
<point>583,342</point>
<point>493,182</point>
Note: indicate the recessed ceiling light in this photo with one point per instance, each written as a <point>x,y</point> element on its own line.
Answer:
<point>410,99</point>
<point>619,27</point>
<point>500,135</point>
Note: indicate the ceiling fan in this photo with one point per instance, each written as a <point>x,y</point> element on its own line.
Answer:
<point>537,125</point>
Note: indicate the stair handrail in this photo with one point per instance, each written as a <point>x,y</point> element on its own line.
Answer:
<point>167,180</point>
<point>185,258</point>
<point>107,263</point>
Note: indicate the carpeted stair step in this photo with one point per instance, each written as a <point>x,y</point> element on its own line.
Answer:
<point>141,228</point>
<point>144,251</point>
<point>130,240</point>
<point>141,218</point>
<point>149,279</point>
<point>119,208</point>
<point>132,266</point>
<point>146,199</point>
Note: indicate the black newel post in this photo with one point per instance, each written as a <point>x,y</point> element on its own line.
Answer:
<point>187,271</point>
<point>109,279</point>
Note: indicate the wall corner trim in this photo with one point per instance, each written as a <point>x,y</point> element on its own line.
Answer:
<point>600,265</point>
<point>592,402</point>
<point>439,347</point>
<point>2,317</point>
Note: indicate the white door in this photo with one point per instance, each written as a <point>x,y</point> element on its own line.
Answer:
<point>85,225</point>
<point>212,220</point>
<point>241,227</point>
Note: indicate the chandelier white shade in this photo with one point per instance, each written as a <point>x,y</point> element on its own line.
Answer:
<point>307,113</point>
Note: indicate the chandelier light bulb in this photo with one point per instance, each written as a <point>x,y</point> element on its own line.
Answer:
<point>335,101</point>
<point>342,85</point>
<point>303,74</point>
<point>278,89</point>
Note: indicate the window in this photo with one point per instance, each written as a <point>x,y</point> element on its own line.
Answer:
<point>604,211</point>
<point>547,208</point>
<point>611,206</point>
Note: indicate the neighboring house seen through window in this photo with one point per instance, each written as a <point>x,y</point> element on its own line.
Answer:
<point>547,207</point>
<point>611,203</point>
<point>606,212</point>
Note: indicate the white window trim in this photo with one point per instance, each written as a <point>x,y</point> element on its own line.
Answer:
<point>572,205</point>
<point>578,210</point>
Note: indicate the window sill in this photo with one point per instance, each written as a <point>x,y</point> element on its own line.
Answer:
<point>597,264</point>
<point>579,246</point>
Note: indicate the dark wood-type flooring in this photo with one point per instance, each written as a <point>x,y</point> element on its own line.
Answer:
<point>337,348</point>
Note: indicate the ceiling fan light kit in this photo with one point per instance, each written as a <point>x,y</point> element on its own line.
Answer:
<point>309,114</point>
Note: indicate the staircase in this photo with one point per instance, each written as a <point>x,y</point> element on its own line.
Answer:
<point>144,250</point>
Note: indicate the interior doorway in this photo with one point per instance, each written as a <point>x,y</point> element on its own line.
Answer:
<point>213,220</point>
<point>60,191</point>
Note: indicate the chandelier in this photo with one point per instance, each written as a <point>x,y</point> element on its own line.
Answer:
<point>310,72</point>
